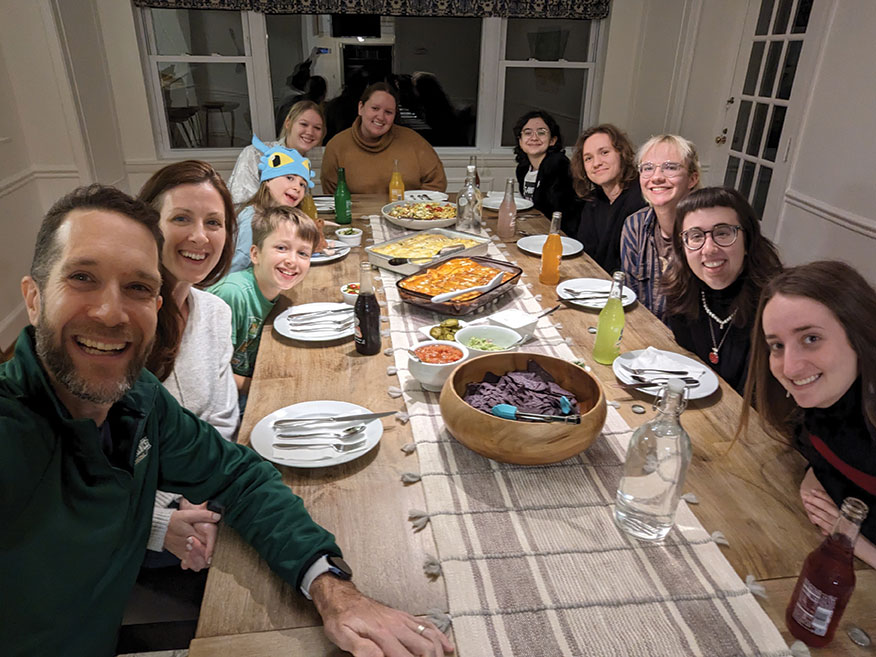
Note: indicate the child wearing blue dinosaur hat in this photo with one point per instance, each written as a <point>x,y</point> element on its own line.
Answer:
<point>285,178</point>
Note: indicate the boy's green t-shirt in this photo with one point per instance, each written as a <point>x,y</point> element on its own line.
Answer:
<point>248,311</point>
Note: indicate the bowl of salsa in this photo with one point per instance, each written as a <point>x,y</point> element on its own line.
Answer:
<point>437,359</point>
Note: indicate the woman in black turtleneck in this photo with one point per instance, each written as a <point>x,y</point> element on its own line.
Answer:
<point>813,379</point>
<point>721,262</point>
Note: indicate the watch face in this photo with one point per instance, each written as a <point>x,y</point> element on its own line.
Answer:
<point>341,567</point>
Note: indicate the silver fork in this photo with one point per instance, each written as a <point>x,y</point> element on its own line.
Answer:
<point>340,448</point>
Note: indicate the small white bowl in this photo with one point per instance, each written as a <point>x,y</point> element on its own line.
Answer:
<point>433,375</point>
<point>500,336</point>
<point>352,238</point>
<point>516,320</point>
<point>350,297</point>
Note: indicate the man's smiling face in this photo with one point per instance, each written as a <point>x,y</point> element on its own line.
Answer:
<point>95,318</point>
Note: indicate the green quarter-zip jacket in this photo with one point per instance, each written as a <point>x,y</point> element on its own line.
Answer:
<point>74,522</point>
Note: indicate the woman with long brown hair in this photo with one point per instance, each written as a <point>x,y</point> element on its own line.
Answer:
<point>607,184</point>
<point>721,263</point>
<point>198,224</point>
<point>812,378</point>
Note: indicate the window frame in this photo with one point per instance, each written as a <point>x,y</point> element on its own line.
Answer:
<point>491,84</point>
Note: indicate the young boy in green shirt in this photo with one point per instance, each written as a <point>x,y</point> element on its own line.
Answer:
<point>283,240</point>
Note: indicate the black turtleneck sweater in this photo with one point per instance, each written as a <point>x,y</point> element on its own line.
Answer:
<point>694,335</point>
<point>840,445</point>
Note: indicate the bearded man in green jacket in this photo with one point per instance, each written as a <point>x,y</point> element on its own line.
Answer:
<point>87,436</point>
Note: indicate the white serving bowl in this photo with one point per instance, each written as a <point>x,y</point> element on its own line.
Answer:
<point>498,335</point>
<point>349,297</point>
<point>516,320</point>
<point>352,239</point>
<point>433,375</point>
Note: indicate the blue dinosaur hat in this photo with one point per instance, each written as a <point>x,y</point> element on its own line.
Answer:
<point>278,161</point>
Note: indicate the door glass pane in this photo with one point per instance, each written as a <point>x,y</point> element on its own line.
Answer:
<point>783,14</point>
<point>292,78</point>
<point>789,70</point>
<point>763,19</point>
<point>801,20</point>
<point>206,105</point>
<point>197,32</point>
<point>741,125</point>
<point>730,173</point>
<point>761,189</point>
<point>757,126</point>
<point>770,148</point>
<point>746,178</point>
<point>554,90</point>
<point>771,68</point>
<point>547,40</point>
<point>753,68</point>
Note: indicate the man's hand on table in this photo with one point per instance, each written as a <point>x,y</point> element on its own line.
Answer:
<point>366,628</point>
<point>191,535</point>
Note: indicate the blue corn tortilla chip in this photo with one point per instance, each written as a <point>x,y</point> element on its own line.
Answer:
<point>532,391</point>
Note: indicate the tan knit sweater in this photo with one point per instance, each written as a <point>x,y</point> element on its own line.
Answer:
<point>368,165</point>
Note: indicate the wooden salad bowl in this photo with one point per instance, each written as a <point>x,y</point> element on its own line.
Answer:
<point>512,441</point>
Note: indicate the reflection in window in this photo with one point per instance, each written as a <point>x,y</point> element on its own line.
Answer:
<point>547,40</point>
<point>554,90</point>
<point>207,32</point>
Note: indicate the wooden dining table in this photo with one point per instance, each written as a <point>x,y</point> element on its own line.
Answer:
<point>747,490</point>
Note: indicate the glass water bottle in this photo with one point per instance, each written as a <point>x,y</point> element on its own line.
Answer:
<point>507,224</point>
<point>657,459</point>
<point>469,208</point>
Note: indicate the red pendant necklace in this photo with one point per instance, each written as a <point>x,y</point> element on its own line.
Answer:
<point>716,347</point>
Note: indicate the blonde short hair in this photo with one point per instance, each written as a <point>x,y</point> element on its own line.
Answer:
<point>685,148</point>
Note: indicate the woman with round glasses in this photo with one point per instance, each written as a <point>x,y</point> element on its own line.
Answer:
<point>605,178</point>
<point>813,379</point>
<point>542,166</point>
<point>712,290</point>
<point>669,170</point>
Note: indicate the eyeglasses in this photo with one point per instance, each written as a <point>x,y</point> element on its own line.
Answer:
<point>541,132</point>
<point>722,235</point>
<point>669,169</point>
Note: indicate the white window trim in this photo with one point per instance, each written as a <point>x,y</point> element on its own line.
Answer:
<point>491,86</point>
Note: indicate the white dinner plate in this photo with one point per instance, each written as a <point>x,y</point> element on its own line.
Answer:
<point>534,243</point>
<point>262,436</point>
<point>708,381</point>
<point>281,323</point>
<point>493,200</point>
<point>597,285</point>
<point>416,195</point>
<point>340,248</point>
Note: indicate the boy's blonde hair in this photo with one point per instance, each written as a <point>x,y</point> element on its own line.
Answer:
<point>267,220</point>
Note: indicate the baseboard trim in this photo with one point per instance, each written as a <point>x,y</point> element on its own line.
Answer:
<point>843,218</point>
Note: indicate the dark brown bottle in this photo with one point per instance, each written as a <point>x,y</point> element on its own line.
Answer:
<point>827,580</point>
<point>367,313</point>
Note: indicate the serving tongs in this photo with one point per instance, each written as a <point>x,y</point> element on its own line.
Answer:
<point>510,412</point>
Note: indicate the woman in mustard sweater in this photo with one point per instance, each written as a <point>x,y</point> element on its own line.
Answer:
<point>369,148</point>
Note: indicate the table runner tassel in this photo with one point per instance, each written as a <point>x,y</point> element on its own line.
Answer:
<point>402,417</point>
<point>388,351</point>
<point>432,567</point>
<point>391,370</point>
<point>690,498</point>
<point>418,519</point>
<point>719,538</point>
<point>439,618</point>
<point>800,649</point>
<point>409,448</point>
<point>384,332</point>
<point>394,391</point>
<point>410,477</point>
<point>755,588</point>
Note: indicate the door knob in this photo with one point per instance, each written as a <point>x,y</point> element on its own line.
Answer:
<point>721,140</point>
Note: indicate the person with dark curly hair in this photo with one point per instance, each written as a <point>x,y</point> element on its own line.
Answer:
<point>542,166</point>
<point>607,184</point>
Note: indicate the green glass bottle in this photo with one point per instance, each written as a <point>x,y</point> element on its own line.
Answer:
<point>611,324</point>
<point>343,203</point>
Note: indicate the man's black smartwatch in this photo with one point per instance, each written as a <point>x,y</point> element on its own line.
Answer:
<point>327,563</point>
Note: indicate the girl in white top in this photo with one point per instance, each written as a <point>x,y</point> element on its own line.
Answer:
<point>303,130</point>
<point>198,223</point>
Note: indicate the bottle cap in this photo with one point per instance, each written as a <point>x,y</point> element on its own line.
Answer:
<point>675,386</point>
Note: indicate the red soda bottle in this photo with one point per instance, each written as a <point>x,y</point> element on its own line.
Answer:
<point>827,580</point>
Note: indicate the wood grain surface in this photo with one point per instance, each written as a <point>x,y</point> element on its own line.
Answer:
<point>749,493</point>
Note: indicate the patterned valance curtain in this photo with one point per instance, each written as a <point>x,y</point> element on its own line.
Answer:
<point>579,9</point>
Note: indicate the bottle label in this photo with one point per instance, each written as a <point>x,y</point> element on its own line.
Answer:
<point>814,609</point>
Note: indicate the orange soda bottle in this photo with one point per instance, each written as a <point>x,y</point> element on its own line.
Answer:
<point>396,185</point>
<point>552,253</point>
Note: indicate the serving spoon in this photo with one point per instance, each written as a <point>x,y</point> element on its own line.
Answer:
<point>447,296</point>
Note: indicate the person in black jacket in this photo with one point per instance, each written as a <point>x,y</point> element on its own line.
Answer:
<point>542,167</point>
<point>607,184</point>
<point>721,263</point>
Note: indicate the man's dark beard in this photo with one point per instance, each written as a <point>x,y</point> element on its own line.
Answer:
<point>60,367</point>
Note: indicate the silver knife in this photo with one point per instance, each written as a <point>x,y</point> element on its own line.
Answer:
<point>335,418</point>
<point>294,316</point>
